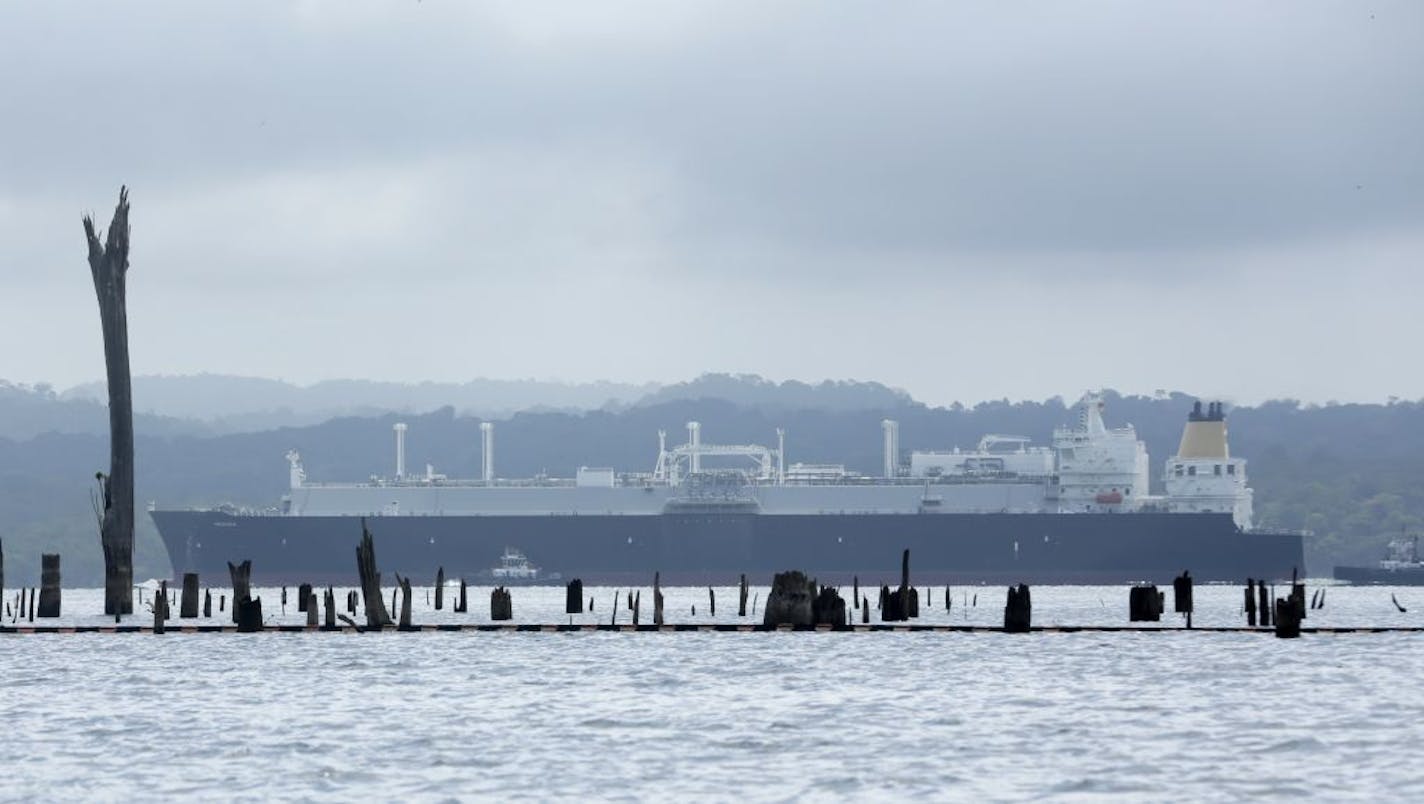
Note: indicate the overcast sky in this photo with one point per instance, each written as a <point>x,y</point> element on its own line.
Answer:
<point>978,201</point>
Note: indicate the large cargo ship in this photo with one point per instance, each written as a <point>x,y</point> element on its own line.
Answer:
<point>1076,511</point>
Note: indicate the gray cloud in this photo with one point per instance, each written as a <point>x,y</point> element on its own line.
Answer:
<point>645,171</point>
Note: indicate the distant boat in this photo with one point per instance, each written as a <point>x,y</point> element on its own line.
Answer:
<point>514,568</point>
<point>1400,566</point>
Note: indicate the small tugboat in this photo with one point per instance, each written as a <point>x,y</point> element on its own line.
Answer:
<point>514,569</point>
<point>1400,566</point>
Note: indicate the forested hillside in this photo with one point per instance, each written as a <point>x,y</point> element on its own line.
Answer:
<point>1348,473</point>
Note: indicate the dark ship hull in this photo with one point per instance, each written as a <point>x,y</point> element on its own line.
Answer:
<point>716,547</point>
<point>1405,576</point>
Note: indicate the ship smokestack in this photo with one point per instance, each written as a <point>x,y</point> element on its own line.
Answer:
<point>780,456</point>
<point>487,452</point>
<point>694,439</point>
<point>892,446</point>
<point>1205,433</point>
<point>400,429</point>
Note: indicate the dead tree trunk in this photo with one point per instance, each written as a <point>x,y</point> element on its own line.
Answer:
<point>376,614</point>
<point>109,266</point>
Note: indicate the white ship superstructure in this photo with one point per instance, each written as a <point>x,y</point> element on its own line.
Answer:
<point>1089,468</point>
<point>1203,477</point>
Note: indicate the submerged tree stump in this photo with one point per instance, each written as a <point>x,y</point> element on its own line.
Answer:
<point>573,597</point>
<point>188,604</point>
<point>241,585</point>
<point>405,602</point>
<point>49,585</point>
<point>1287,618</point>
<point>1144,604</point>
<point>249,614</point>
<point>828,608</point>
<point>1018,610</point>
<point>501,606</point>
<point>376,614</point>
<point>108,267</point>
<point>791,600</point>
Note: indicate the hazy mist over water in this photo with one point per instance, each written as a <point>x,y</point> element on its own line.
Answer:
<point>762,716</point>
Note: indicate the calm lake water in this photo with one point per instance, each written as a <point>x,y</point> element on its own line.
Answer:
<point>724,715</point>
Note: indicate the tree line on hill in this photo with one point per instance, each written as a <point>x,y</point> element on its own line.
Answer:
<point>1346,473</point>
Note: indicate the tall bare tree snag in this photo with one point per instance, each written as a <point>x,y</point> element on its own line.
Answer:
<point>109,264</point>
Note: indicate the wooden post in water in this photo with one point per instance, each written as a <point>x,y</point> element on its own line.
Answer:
<point>49,585</point>
<point>948,598</point>
<point>855,591</point>
<point>304,595</point>
<point>2,569</point>
<point>32,604</point>
<point>188,604</point>
<point>108,267</point>
<point>711,602</point>
<point>657,599</point>
<point>573,597</point>
<point>865,610</point>
<point>742,597</point>
<point>1297,594</point>
<point>440,589</point>
<point>1250,604</point>
<point>241,575</point>
<point>1263,597</point>
<point>376,614</point>
<point>207,603</point>
<point>222,603</point>
<point>1287,618</point>
<point>330,620</point>
<point>1018,612</point>
<point>463,605</point>
<point>160,608</point>
<point>637,605</point>
<point>1182,595</point>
